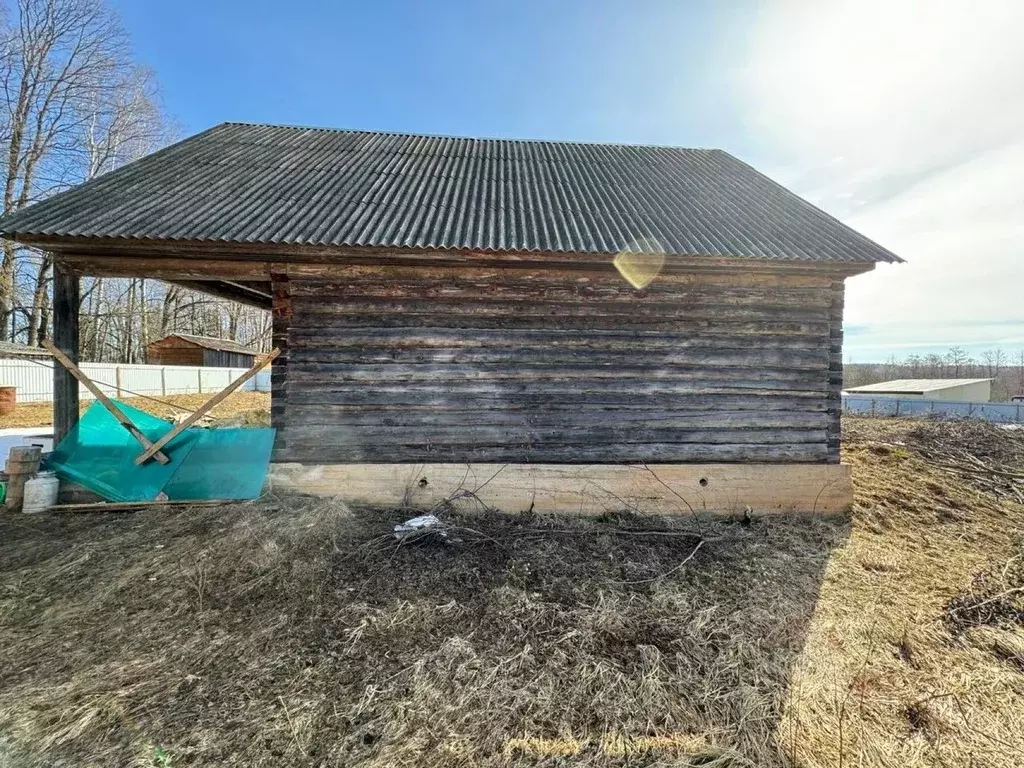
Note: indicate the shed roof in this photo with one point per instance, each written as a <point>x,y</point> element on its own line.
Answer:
<point>211,342</point>
<point>244,183</point>
<point>12,349</point>
<point>915,386</point>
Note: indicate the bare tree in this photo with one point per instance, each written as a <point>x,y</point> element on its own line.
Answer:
<point>935,365</point>
<point>58,58</point>
<point>915,364</point>
<point>994,360</point>
<point>957,359</point>
<point>76,105</point>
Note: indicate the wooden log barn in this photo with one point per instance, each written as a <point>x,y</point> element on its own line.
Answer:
<point>550,325</point>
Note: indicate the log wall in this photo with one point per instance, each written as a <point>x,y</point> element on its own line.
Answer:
<point>174,355</point>
<point>444,364</point>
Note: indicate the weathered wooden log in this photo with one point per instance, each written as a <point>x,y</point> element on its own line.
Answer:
<point>475,363</point>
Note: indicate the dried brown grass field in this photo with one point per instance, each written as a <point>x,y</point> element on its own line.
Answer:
<point>247,407</point>
<point>296,631</point>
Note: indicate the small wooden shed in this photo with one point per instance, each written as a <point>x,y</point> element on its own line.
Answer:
<point>186,349</point>
<point>13,351</point>
<point>550,325</point>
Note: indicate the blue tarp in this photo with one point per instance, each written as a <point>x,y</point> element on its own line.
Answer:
<point>222,463</point>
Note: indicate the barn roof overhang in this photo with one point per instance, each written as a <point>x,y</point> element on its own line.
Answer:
<point>243,272</point>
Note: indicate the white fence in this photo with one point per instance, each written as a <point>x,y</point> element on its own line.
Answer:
<point>34,379</point>
<point>894,406</point>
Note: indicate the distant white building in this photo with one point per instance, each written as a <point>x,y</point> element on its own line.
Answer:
<point>950,390</point>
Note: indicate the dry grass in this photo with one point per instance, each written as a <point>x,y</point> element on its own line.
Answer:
<point>297,632</point>
<point>241,407</point>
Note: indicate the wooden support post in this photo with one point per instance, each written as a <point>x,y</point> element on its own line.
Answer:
<point>116,412</point>
<point>66,300</point>
<point>154,449</point>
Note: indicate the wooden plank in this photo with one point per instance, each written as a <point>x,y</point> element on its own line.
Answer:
<point>152,450</point>
<point>135,506</point>
<point>340,390</point>
<point>623,358</point>
<point>684,325</point>
<point>611,453</point>
<point>526,370</point>
<point>518,273</point>
<point>540,393</point>
<point>572,417</point>
<point>420,401</point>
<point>167,268</point>
<point>424,338</point>
<point>601,293</point>
<point>66,301</point>
<point>541,439</point>
<point>327,260</point>
<point>116,412</point>
<point>639,312</point>
<point>225,289</point>
<point>672,489</point>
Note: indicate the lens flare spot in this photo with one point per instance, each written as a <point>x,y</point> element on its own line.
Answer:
<point>640,262</point>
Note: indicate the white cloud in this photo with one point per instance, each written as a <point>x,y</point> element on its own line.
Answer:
<point>905,119</point>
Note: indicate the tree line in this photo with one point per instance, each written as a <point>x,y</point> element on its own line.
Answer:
<point>1006,368</point>
<point>74,104</point>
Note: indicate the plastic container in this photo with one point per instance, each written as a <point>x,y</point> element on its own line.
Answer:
<point>40,492</point>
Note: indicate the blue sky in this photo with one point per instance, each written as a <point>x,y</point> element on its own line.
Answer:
<point>869,108</point>
<point>571,69</point>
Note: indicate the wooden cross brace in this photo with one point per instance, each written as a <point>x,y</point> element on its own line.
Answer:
<point>153,451</point>
<point>116,412</point>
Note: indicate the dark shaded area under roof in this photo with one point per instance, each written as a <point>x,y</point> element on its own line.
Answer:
<point>242,183</point>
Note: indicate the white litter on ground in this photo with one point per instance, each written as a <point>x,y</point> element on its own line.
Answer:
<point>419,524</point>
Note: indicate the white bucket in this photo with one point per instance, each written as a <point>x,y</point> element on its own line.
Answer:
<point>40,492</point>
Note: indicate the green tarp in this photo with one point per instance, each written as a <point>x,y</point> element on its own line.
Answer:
<point>221,463</point>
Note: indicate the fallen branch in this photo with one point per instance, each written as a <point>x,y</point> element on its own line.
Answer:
<point>132,506</point>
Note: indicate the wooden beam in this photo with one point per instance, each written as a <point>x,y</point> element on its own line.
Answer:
<point>66,301</point>
<point>116,412</point>
<point>226,289</point>
<point>242,261</point>
<point>197,415</point>
<point>166,267</point>
<point>136,506</point>
<point>657,489</point>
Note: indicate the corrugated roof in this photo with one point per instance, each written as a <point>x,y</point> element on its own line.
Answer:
<point>12,349</point>
<point>915,386</point>
<point>245,183</point>
<point>211,342</point>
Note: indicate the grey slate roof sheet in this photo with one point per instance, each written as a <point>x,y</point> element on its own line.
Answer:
<point>915,386</point>
<point>272,184</point>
